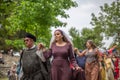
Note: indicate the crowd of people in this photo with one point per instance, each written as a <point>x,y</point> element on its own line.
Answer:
<point>62,61</point>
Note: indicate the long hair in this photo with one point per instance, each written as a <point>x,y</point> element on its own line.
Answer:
<point>92,44</point>
<point>65,38</point>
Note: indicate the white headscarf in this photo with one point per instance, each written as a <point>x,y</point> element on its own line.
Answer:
<point>64,34</point>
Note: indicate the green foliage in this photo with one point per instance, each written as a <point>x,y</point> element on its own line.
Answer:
<point>91,34</point>
<point>16,43</point>
<point>108,20</point>
<point>6,6</point>
<point>30,14</point>
<point>34,16</point>
<point>79,39</point>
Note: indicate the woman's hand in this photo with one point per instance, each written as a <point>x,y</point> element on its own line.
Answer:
<point>41,46</point>
<point>78,68</point>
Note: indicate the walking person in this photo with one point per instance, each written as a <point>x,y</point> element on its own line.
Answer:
<point>80,74</point>
<point>62,51</point>
<point>102,68</point>
<point>92,61</point>
<point>32,65</point>
<point>109,67</point>
<point>12,72</point>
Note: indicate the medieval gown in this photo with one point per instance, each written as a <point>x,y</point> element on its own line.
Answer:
<point>109,68</point>
<point>62,57</point>
<point>92,66</point>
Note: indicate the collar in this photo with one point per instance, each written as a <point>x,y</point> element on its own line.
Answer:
<point>31,47</point>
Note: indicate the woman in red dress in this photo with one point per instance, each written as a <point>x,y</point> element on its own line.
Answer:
<point>61,50</point>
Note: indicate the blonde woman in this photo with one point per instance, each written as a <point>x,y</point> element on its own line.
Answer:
<point>109,67</point>
<point>102,69</point>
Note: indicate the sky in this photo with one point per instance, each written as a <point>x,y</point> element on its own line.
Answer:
<point>80,16</point>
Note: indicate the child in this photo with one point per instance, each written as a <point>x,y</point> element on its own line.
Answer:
<point>12,72</point>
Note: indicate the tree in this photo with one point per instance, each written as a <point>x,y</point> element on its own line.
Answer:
<point>6,7</point>
<point>108,20</point>
<point>91,34</point>
<point>37,17</point>
<point>78,41</point>
<point>79,38</point>
<point>32,15</point>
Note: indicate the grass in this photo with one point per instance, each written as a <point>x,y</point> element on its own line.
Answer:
<point>3,78</point>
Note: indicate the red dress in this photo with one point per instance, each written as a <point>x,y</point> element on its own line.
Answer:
<point>62,57</point>
<point>117,73</point>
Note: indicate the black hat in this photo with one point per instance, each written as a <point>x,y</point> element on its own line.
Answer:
<point>29,35</point>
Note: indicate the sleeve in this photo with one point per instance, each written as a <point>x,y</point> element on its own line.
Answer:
<point>48,53</point>
<point>98,52</point>
<point>111,50</point>
<point>72,56</point>
<point>41,56</point>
